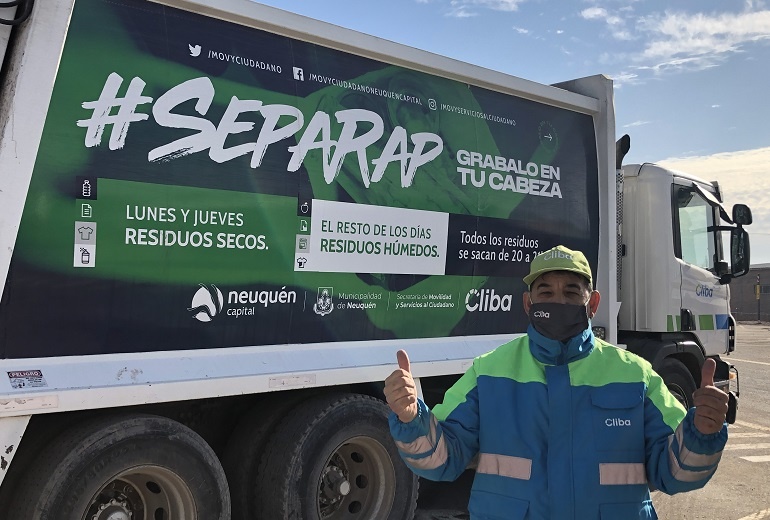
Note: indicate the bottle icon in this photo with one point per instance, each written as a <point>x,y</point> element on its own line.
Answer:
<point>85,256</point>
<point>86,188</point>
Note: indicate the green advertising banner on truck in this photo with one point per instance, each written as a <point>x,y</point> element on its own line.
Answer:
<point>205,184</point>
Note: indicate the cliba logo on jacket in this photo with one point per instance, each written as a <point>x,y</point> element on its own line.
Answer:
<point>486,300</point>
<point>616,421</point>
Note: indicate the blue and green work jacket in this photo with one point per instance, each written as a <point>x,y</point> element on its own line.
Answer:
<point>581,431</point>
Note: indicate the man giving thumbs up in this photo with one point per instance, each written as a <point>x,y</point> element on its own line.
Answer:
<point>710,402</point>
<point>563,425</point>
<point>400,391</point>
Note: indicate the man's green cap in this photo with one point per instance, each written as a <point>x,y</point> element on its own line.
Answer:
<point>559,258</point>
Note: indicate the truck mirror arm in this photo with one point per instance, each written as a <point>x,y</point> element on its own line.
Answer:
<point>725,279</point>
<point>723,228</point>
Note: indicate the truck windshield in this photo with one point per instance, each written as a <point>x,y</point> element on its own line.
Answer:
<point>696,217</point>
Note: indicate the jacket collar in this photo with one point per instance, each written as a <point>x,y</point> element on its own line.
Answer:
<point>553,352</point>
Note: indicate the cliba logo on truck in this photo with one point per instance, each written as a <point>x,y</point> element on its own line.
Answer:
<point>208,302</point>
<point>486,300</point>
<point>704,290</point>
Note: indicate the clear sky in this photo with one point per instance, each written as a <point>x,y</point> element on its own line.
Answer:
<point>692,79</point>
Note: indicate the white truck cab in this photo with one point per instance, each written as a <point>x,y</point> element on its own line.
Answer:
<point>674,276</point>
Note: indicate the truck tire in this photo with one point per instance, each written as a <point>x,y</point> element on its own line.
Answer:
<point>137,467</point>
<point>332,458</point>
<point>244,452</point>
<point>678,380</point>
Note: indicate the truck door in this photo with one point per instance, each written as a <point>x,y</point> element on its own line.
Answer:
<point>698,247</point>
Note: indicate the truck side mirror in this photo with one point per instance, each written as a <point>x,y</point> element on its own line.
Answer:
<point>722,268</point>
<point>742,214</point>
<point>739,251</point>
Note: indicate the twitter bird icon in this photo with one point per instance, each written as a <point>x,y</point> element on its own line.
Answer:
<point>195,50</point>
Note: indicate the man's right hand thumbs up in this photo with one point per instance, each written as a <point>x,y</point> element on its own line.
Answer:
<point>400,390</point>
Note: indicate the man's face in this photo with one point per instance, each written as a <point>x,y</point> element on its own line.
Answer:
<point>562,287</point>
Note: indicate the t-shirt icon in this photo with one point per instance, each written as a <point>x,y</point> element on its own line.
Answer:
<point>85,232</point>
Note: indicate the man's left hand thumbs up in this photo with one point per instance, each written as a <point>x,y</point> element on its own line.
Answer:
<point>710,402</point>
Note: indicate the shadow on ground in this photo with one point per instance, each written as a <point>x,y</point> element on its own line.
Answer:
<point>444,500</point>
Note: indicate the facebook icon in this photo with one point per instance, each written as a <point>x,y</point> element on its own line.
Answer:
<point>298,74</point>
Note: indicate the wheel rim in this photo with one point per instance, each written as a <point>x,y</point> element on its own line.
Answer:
<point>143,493</point>
<point>358,481</point>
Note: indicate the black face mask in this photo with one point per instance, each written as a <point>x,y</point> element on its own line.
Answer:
<point>559,321</point>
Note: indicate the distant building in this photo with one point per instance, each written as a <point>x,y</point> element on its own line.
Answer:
<point>743,295</point>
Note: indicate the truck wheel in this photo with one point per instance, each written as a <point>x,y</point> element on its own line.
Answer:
<point>244,451</point>
<point>678,380</point>
<point>136,467</point>
<point>333,458</point>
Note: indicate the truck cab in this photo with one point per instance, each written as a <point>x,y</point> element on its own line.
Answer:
<point>674,275</point>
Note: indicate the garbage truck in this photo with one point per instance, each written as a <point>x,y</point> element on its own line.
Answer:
<point>219,222</point>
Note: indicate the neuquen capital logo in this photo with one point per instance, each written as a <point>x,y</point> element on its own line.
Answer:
<point>207,302</point>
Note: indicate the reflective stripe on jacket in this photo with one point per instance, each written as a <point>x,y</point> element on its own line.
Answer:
<point>583,440</point>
